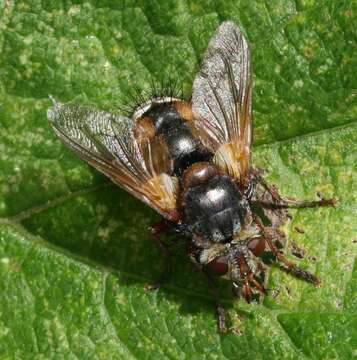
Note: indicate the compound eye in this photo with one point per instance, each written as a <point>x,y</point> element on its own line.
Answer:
<point>218,266</point>
<point>257,245</point>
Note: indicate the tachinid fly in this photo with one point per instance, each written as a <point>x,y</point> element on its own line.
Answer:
<point>190,161</point>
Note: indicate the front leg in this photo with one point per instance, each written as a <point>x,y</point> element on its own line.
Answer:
<point>268,234</point>
<point>221,314</point>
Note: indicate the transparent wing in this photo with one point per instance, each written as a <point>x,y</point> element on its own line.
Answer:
<point>222,100</point>
<point>107,142</point>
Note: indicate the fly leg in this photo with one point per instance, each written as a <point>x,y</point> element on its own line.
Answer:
<point>221,314</point>
<point>280,202</point>
<point>245,280</point>
<point>285,203</point>
<point>269,236</point>
<point>157,229</point>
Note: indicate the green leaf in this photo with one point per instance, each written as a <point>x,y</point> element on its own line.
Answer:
<point>74,250</point>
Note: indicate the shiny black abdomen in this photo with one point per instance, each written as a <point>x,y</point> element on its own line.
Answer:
<point>214,210</point>
<point>184,149</point>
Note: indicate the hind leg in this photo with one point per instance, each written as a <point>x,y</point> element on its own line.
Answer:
<point>157,230</point>
<point>284,202</point>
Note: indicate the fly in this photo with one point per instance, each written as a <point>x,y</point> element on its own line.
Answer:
<point>191,162</point>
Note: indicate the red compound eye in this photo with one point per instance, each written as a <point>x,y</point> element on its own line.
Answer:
<point>218,266</point>
<point>257,246</point>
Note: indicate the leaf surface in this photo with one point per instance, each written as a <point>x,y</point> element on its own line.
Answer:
<point>75,252</point>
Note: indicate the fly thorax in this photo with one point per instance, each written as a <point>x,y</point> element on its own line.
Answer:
<point>212,204</point>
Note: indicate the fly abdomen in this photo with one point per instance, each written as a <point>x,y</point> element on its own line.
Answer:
<point>166,119</point>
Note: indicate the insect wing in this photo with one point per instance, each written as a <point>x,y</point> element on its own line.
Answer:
<point>222,100</point>
<point>106,141</point>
